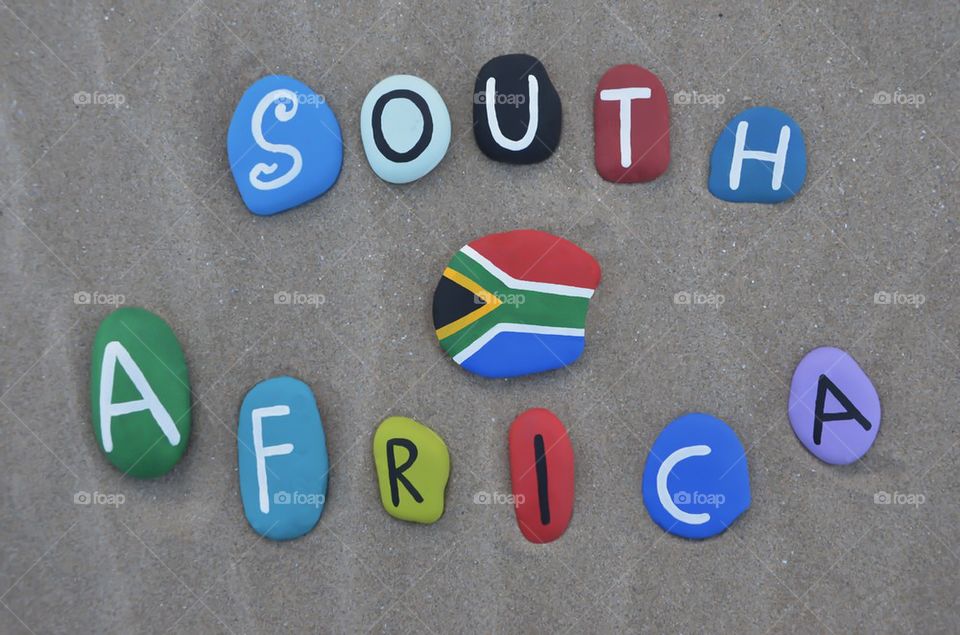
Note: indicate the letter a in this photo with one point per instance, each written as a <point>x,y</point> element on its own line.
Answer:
<point>849,410</point>
<point>113,353</point>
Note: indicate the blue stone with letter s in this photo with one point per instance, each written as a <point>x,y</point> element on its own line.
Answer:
<point>284,145</point>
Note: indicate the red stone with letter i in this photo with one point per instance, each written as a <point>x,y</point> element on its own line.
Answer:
<point>541,470</point>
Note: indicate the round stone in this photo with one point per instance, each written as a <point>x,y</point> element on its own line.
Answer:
<point>516,110</point>
<point>834,409</point>
<point>405,128</point>
<point>140,393</point>
<point>696,482</point>
<point>515,303</point>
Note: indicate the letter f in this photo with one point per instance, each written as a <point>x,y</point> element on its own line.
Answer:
<point>262,452</point>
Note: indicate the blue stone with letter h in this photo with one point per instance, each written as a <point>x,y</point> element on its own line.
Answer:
<point>760,157</point>
<point>284,145</point>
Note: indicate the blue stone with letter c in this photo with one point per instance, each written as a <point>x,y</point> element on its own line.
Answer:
<point>284,145</point>
<point>696,482</point>
<point>282,458</point>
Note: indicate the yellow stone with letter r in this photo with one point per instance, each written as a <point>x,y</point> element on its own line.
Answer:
<point>413,466</point>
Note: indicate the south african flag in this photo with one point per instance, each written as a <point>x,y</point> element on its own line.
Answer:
<point>515,303</point>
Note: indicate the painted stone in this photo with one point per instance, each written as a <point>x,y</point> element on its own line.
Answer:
<point>760,157</point>
<point>696,482</point>
<point>516,110</point>
<point>140,393</point>
<point>405,128</point>
<point>515,303</point>
<point>284,145</point>
<point>281,458</point>
<point>413,467</point>
<point>834,409</point>
<point>631,124</point>
<point>541,471</point>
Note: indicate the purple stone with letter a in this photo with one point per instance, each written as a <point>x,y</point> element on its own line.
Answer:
<point>834,408</point>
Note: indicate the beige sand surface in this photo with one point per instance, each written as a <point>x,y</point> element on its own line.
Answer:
<point>137,200</point>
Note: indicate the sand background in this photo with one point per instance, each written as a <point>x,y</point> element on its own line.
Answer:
<point>138,200</point>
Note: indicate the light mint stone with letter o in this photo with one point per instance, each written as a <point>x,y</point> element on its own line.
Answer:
<point>405,128</point>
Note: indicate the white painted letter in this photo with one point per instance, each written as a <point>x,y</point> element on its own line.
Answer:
<point>625,96</point>
<point>262,452</point>
<point>490,99</point>
<point>664,494</point>
<point>113,353</point>
<point>778,158</point>
<point>283,113</point>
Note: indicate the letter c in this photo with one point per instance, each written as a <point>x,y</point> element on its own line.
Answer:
<point>664,494</point>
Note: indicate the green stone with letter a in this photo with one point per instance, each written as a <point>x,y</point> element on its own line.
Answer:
<point>140,393</point>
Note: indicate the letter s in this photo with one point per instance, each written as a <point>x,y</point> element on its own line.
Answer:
<point>282,113</point>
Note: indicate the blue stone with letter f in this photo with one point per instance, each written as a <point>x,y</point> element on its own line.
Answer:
<point>284,145</point>
<point>696,482</point>
<point>760,157</point>
<point>282,458</point>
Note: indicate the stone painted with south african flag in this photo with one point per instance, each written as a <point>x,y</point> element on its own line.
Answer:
<point>515,303</point>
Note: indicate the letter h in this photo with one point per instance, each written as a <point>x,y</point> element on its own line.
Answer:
<point>740,154</point>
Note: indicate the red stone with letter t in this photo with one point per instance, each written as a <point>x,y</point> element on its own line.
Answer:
<point>631,121</point>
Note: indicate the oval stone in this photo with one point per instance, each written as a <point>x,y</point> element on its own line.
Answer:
<point>541,471</point>
<point>140,393</point>
<point>405,128</point>
<point>696,482</point>
<point>516,110</point>
<point>759,157</point>
<point>515,303</point>
<point>631,123</point>
<point>282,458</point>
<point>284,145</point>
<point>834,409</point>
<point>413,466</point>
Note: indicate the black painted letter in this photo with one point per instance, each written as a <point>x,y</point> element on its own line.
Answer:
<point>395,474</point>
<point>543,493</point>
<point>849,410</point>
